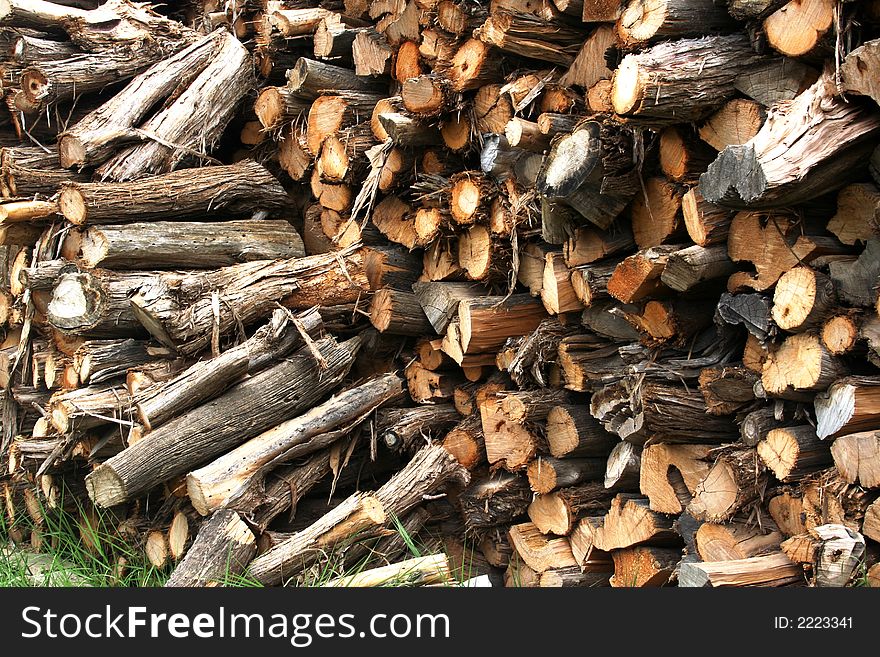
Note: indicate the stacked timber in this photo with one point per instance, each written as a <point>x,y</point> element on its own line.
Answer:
<point>570,293</point>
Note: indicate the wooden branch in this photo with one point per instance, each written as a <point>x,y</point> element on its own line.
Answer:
<point>774,569</point>
<point>222,550</point>
<point>630,522</point>
<point>253,405</point>
<point>849,405</point>
<point>494,500</point>
<point>856,458</point>
<point>671,474</point>
<point>794,452</point>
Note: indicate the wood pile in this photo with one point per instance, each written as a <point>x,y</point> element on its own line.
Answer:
<point>578,292</point>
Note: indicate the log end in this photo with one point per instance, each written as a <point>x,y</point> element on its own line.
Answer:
<point>626,89</point>
<point>72,204</point>
<point>105,487</point>
<point>76,302</point>
<point>71,151</point>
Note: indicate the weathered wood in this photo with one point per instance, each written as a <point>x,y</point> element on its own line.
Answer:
<point>832,552</point>
<point>682,80</point>
<point>736,479</point>
<point>854,280</point>
<point>644,566</point>
<point>857,207</point>
<point>849,405</point>
<point>854,71</point>
<point>245,410</point>
<point>688,267</point>
<point>737,539</point>
<point>229,191</point>
<point>558,511</point>
<point>194,245</point>
<point>182,316</point>
<point>217,89</point>
<point>398,313</point>
<point>829,139</point>
<point>221,480</point>
<point>801,364</point>
<point>223,548</point>
<point>647,21</point>
<point>857,456</point>
<point>670,475</point>
<point>539,552</point>
<point>776,79</point>
<point>774,569</point>
<point>494,500</point>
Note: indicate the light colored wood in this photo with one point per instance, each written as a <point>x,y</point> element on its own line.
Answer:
<point>769,570</point>
<point>857,457</point>
<point>670,472</point>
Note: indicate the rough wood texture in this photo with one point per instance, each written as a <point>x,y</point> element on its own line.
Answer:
<point>737,539</point>
<point>222,550</point>
<point>644,566</point>
<point>857,457</point>
<point>849,405</point>
<point>228,191</point>
<point>671,474</point>
<point>253,405</point>
<point>828,138</point>
<point>630,522</point>
<point>769,570</point>
<point>832,552</point>
<point>794,452</point>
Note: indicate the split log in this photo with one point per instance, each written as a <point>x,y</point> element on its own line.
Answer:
<point>486,322</point>
<point>857,456</point>
<point>683,157</point>
<point>670,475</point>
<point>493,501</point>
<point>737,122</point>
<point>854,70</point>
<point>800,365</point>
<point>832,552</point>
<point>589,65</point>
<point>548,473</point>
<point>774,242</point>
<point>223,548</point>
<point>182,317</point>
<point>871,524</point>
<point>848,406</point>
<point>794,452</point>
<point>588,245</point>
<point>220,86</point>
<point>630,522</point>
<point>647,21</point>
<point>539,552</point>
<point>557,512</point>
<point>638,276</point>
<point>644,566</point>
<point>623,469</point>
<point>854,279</point>
<point>100,360</point>
<point>261,401</point>
<point>194,245</point>
<point>727,389</point>
<point>828,138</point>
<point>528,36</point>
<point>221,480</point>
<point>688,267</point>
<point>858,206</point>
<point>231,190</point>
<point>706,223</point>
<point>736,479</point>
<point>775,80</point>
<point>656,214</point>
<point>440,300</point>
<point>737,539</point>
<point>682,80</point>
<point>774,569</point>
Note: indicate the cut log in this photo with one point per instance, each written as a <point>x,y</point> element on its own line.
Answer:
<point>223,548</point>
<point>494,501</point>
<point>794,452</point>
<point>735,480</point>
<point>539,552</point>
<point>221,480</point>
<point>644,566</point>
<point>589,65</point>
<point>800,365</point>
<point>638,276</point>
<point>630,522</point>
<point>737,122</point>
<point>706,223</point>
<point>840,333</point>
<point>473,65</point>
<point>671,475</point>
<point>231,190</point>
<point>647,21</point>
<point>261,401</point>
<point>100,360</point>
<point>871,524</point>
<point>727,389</point>
<point>177,132</point>
<point>406,429</point>
<point>802,300</point>
<point>656,214</point>
<point>774,569</point>
<point>682,80</point>
<point>547,473</point>
<point>858,208</point>
<point>588,245</point>
<point>486,322</point>
<point>466,442</point>
<point>419,571</point>
<point>854,280</point>
<point>831,141</point>
<point>683,157</point>
<point>398,313</point>
<point>183,317</point>
<point>775,80</point>
<point>527,36</point>
<point>27,171</point>
<point>557,512</point>
<point>848,406</point>
<point>440,300</point>
<point>688,267</point>
<point>355,514</point>
<point>623,469</point>
<point>833,553</point>
<point>737,539</point>
<point>797,27</point>
<point>572,432</point>
<point>602,11</point>
<point>95,137</point>
<point>857,457</point>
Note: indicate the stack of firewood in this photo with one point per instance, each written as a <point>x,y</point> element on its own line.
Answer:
<point>580,292</point>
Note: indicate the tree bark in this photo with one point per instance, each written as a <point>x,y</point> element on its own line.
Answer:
<point>222,550</point>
